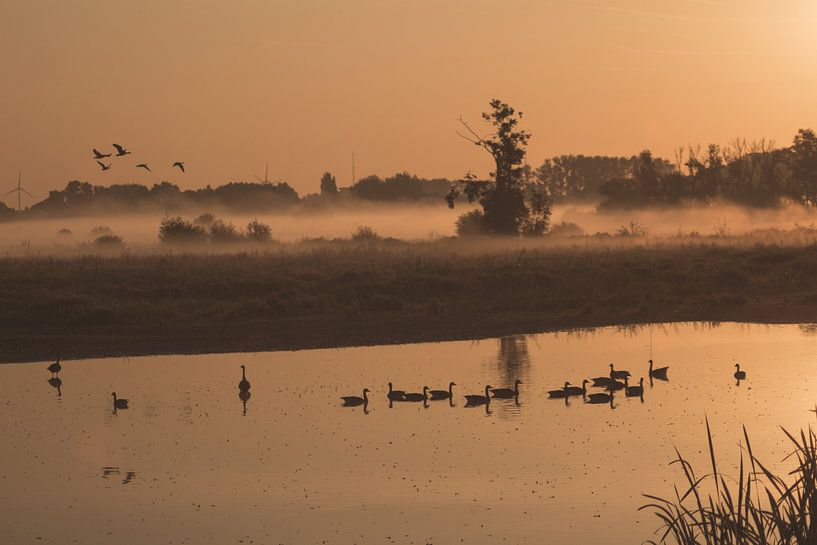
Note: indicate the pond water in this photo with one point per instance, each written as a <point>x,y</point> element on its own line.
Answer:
<point>186,464</point>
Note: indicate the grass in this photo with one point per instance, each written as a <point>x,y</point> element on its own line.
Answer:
<point>749,511</point>
<point>324,293</point>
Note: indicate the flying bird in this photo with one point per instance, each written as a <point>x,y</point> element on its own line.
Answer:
<point>179,164</point>
<point>99,155</point>
<point>144,166</point>
<point>120,151</point>
<point>103,165</point>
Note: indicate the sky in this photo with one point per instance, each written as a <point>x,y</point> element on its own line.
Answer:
<point>228,85</point>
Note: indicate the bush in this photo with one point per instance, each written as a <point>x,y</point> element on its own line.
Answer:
<point>100,230</point>
<point>205,219</point>
<point>65,233</point>
<point>258,231</point>
<point>223,232</point>
<point>178,230</point>
<point>566,229</point>
<point>471,224</point>
<point>634,230</point>
<point>365,234</point>
<point>109,241</point>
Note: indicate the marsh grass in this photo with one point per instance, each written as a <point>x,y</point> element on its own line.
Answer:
<point>759,508</point>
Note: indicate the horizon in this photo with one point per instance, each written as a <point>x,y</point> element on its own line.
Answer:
<point>299,85</point>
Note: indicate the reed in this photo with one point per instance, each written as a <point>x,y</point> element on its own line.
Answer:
<point>758,508</point>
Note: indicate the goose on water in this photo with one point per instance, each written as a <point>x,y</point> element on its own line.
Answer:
<point>618,374</point>
<point>575,390</point>
<point>55,367</point>
<point>354,401</point>
<point>119,403</point>
<point>395,395</point>
<point>244,384</point>
<point>740,375</point>
<point>443,394</point>
<point>414,396</point>
<point>479,399</point>
<point>601,382</point>
<point>507,393</point>
<point>659,373</point>
<point>600,398</point>
<point>560,393</point>
<point>634,391</point>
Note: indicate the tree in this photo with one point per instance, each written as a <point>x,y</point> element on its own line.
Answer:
<point>804,165</point>
<point>509,206</point>
<point>329,187</point>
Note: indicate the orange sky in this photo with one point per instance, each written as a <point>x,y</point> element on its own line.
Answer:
<point>226,85</point>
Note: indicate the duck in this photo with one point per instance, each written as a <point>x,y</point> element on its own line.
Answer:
<point>740,375</point>
<point>244,385</point>
<point>618,374</point>
<point>119,403</point>
<point>55,367</point>
<point>560,393</point>
<point>395,395</point>
<point>443,394</point>
<point>507,393</point>
<point>659,373</point>
<point>634,391</point>
<point>575,390</point>
<point>479,399</point>
<point>354,401</point>
<point>413,396</point>
<point>599,398</point>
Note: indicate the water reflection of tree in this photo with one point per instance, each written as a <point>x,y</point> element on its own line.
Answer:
<point>513,359</point>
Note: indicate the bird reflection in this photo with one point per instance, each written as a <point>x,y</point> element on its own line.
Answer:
<point>118,402</point>
<point>56,382</point>
<point>244,396</point>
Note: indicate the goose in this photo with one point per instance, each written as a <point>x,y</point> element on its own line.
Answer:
<point>599,398</point>
<point>413,396</point>
<point>560,393</point>
<point>601,382</point>
<point>575,390</point>
<point>443,394</point>
<point>144,166</point>
<point>55,367</point>
<point>100,155</point>
<point>244,385</point>
<point>616,385</point>
<point>354,401</point>
<point>119,403</point>
<point>660,373</point>
<point>178,164</point>
<point>120,151</point>
<point>103,166</point>
<point>395,395</point>
<point>479,399</point>
<point>507,393</point>
<point>634,391</point>
<point>740,375</point>
<point>618,374</point>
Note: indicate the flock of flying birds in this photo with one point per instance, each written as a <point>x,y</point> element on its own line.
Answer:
<point>121,152</point>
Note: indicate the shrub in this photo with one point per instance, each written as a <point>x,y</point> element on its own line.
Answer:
<point>634,230</point>
<point>100,230</point>
<point>179,230</point>
<point>205,219</point>
<point>258,231</point>
<point>365,234</point>
<point>65,233</point>
<point>109,241</point>
<point>566,229</point>
<point>221,231</point>
<point>471,224</point>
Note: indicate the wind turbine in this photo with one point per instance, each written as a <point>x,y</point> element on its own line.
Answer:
<point>266,179</point>
<point>19,189</point>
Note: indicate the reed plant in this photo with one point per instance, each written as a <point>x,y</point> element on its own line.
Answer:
<point>758,508</point>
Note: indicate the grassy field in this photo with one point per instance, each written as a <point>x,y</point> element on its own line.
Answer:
<point>344,293</point>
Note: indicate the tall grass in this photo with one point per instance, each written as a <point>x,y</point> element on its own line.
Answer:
<point>759,508</point>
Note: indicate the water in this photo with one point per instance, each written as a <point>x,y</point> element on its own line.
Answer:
<point>185,464</point>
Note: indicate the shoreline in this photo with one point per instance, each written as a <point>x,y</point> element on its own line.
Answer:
<point>30,346</point>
